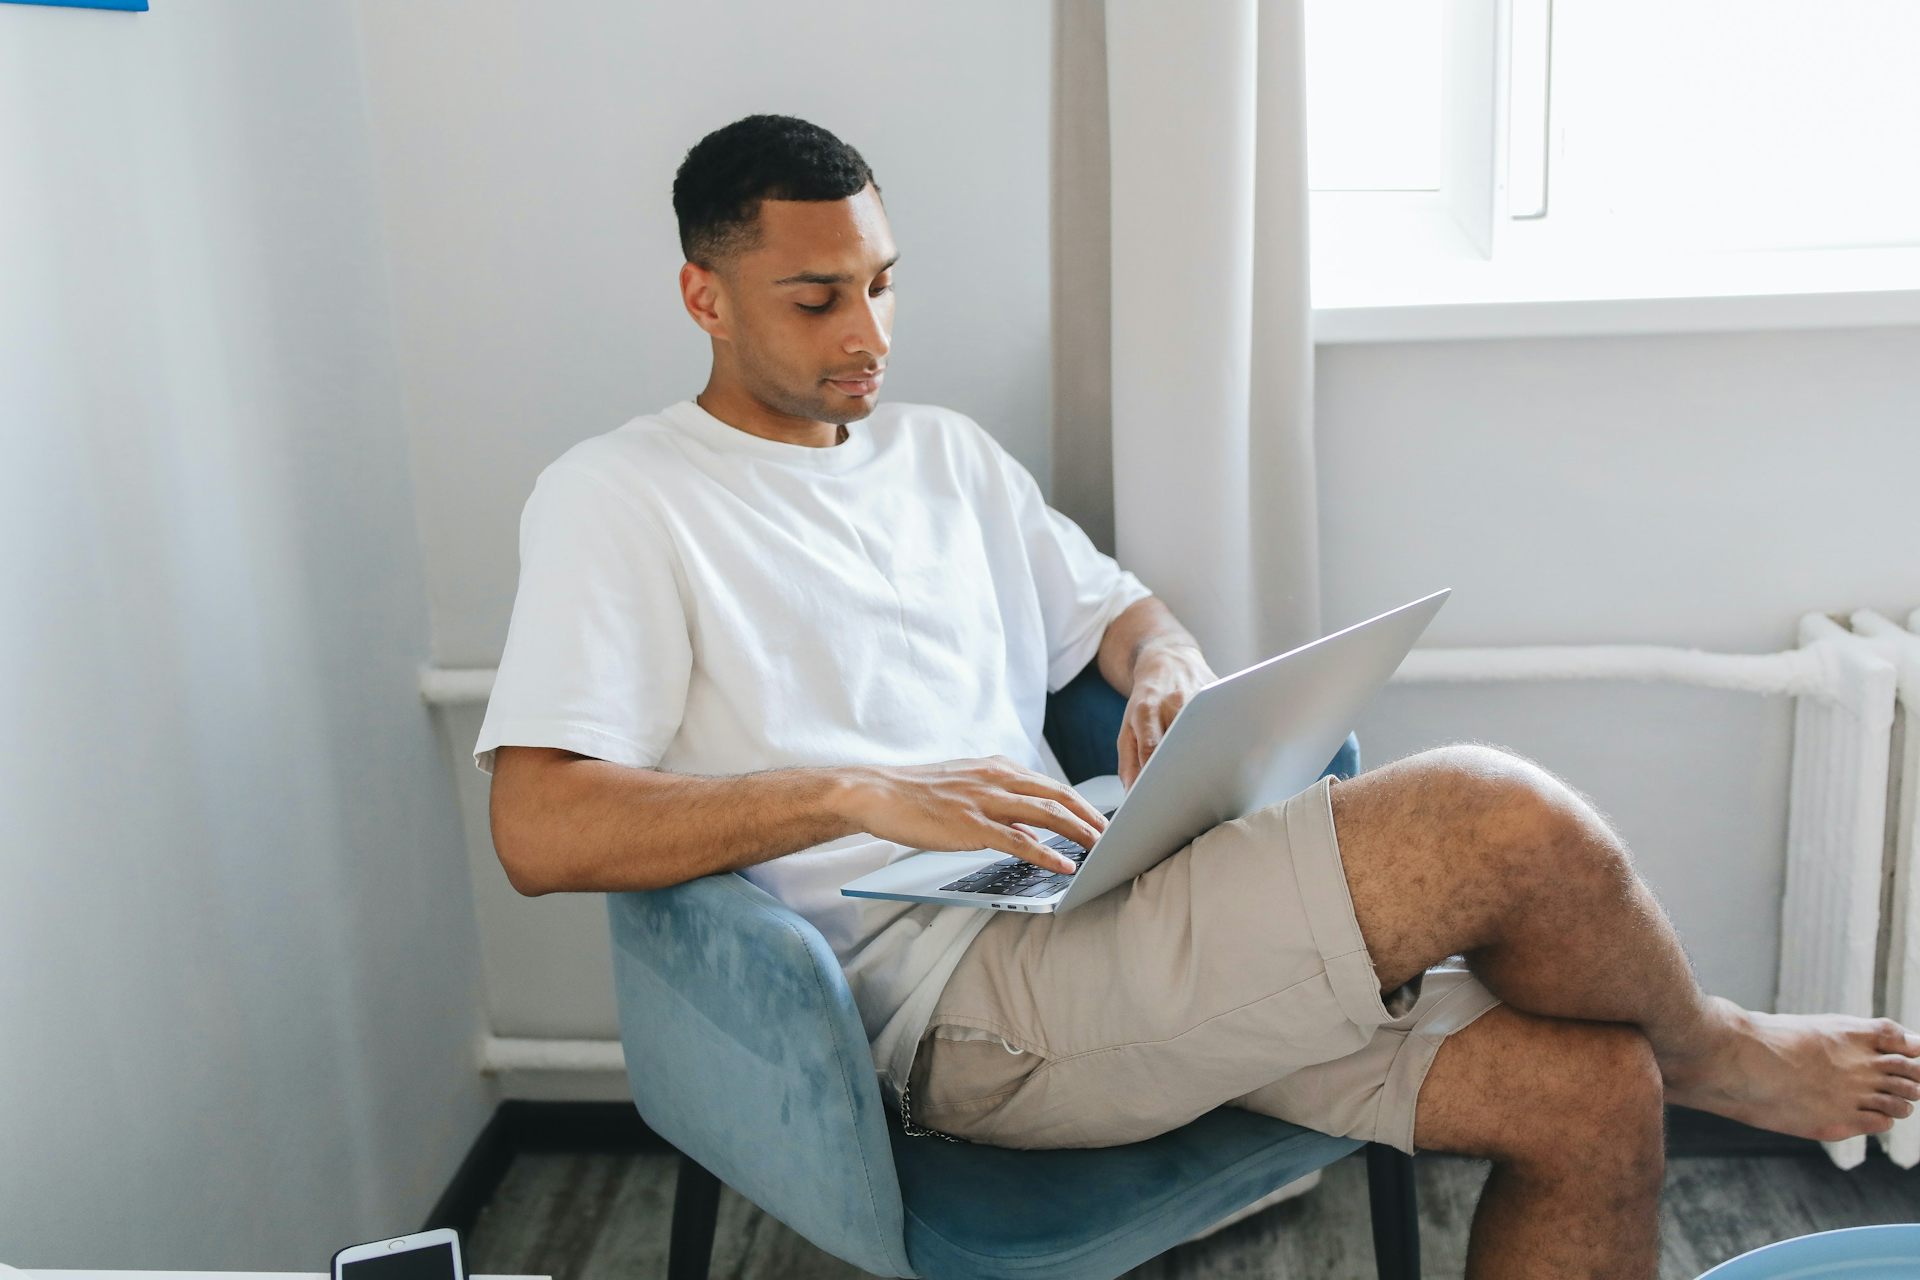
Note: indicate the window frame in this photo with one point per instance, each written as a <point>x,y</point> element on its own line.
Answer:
<point>1453,263</point>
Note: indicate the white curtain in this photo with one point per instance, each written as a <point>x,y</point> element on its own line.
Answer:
<point>1210,341</point>
<point>1183,356</point>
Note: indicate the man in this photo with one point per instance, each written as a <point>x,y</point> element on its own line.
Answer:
<point>783,630</point>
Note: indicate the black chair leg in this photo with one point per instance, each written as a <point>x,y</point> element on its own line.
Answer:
<point>696,1205</point>
<point>1396,1212</point>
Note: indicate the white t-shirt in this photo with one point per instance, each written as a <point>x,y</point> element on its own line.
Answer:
<point>696,598</point>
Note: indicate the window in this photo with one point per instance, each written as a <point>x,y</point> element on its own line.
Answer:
<point>1373,95</point>
<point>1734,124</point>
<point>1559,139</point>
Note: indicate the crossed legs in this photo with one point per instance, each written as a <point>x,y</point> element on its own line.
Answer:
<point>1473,851</point>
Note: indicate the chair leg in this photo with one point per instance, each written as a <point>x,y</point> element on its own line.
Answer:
<point>1396,1212</point>
<point>696,1205</point>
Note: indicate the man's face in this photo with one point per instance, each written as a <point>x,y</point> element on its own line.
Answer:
<point>812,305</point>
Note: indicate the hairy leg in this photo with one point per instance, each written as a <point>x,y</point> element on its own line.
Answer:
<point>1570,1114</point>
<point>1474,851</point>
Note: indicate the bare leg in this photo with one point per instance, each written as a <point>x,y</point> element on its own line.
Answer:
<point>1474,851</point>
<point>1570,1114</point>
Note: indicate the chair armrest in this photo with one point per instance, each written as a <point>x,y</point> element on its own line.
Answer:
<point>1082,725</point>
<point>745,1050</point>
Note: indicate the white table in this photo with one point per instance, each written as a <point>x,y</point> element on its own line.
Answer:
<point>40,1273</point>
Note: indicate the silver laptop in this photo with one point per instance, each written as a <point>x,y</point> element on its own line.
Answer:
<point>1246,741</point>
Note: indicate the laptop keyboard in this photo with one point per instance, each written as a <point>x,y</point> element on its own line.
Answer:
<point>1013,877</point>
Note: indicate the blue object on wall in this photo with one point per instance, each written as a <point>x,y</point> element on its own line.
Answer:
<point>139,6</point>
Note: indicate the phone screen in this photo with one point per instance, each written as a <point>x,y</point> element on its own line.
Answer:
<point>435,1262</point>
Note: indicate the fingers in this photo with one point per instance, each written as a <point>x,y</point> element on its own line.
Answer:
<point>1146,728</point>
<point>1069,806</point>
<point>1042,811</point>
<point>1025,847</point>
<point>1129,756</point>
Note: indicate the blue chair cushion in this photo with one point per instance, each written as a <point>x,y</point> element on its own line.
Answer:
<point>975,1210</point>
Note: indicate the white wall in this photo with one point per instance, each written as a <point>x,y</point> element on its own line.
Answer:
<point>528,155</point>
<point>1698,490</point>
<point>237,958</point>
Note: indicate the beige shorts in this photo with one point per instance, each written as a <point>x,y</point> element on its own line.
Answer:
<point>1232,972</point>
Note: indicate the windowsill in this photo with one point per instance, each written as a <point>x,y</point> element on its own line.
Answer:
<point>1392,267</point>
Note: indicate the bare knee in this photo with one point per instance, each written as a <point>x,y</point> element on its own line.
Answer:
<point>1529,827</point>
<point>1560,1099</point>
<point>1600,1116</point>
<point>1488,833</point>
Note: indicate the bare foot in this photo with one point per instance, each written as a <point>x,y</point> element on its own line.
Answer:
<point>1823,1076</point>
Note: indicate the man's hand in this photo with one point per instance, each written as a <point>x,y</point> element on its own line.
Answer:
<point>1164,677</point>
<point>981,803</point>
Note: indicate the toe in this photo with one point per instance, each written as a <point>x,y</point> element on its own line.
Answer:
<point>1900,1087</point>
<point>1887,1104</point>
<point>1864,1122</point>
<point>1895,1064</point>
<point>1891,1037</point>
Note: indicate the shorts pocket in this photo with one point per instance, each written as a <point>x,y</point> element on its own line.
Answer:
<point>963,1069</point>
<point>1402,999</point>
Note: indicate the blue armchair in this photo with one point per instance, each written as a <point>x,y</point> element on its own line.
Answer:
<point>745,1051</point>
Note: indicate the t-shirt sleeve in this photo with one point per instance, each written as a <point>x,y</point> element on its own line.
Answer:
<point>597,654</point>
<point>1082,589</point>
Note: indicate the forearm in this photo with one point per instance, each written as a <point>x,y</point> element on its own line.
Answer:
<point>570,823</point>
<point>1144,630</point>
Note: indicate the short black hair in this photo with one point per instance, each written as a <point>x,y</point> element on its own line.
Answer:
<point>718,190</point>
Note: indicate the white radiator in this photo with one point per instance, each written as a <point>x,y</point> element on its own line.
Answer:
<point>1830,915</point>
<point>1898,967</point>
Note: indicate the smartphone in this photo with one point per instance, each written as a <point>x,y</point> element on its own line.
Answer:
<point>426,1255</point>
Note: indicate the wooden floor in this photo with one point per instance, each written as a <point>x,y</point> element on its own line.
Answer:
<point>605,1217</point>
